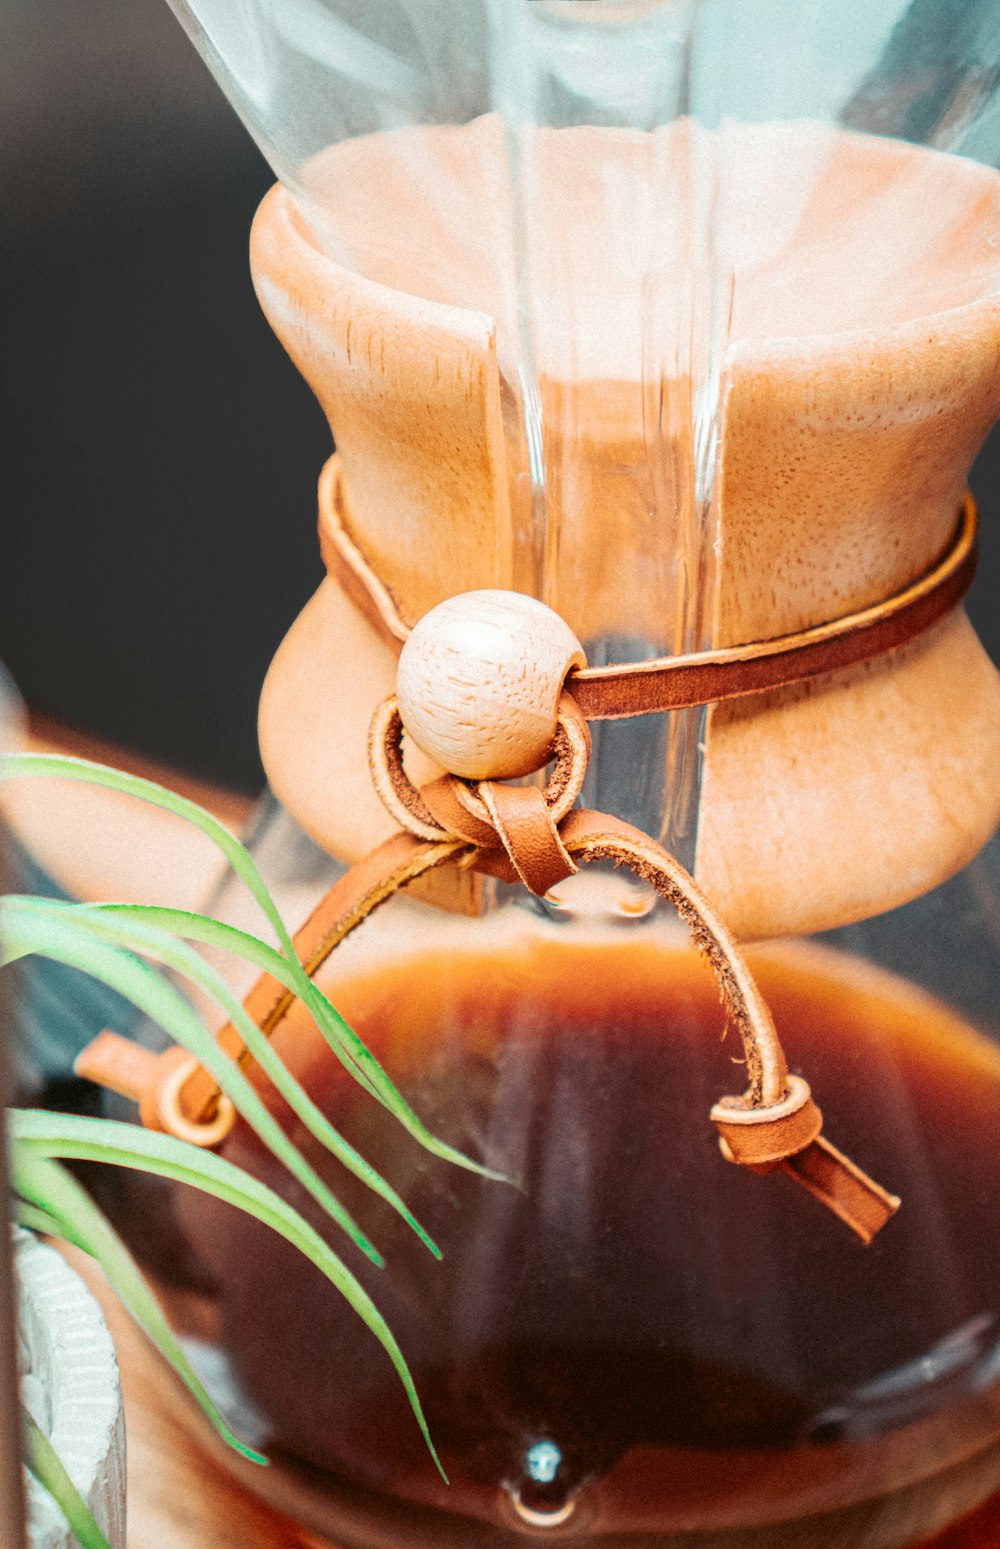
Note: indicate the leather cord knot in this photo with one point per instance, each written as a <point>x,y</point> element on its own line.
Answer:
<point>786,1136</point>
<point>520,820</point>
<point>760,1137</point>
<point>532,834</point>
<point>762,1129</point>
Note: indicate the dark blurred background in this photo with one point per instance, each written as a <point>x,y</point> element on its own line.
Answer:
<point>158,453</point>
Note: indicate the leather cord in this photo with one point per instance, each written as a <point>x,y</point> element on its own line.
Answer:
<point>773,1125</point>
<point>450,807</point>
<point>532,835</point>
<point>706,677</point>
<point>533,843</point>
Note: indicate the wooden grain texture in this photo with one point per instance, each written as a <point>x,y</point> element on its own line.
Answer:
<point>479,683</point>
<point>860,381</point>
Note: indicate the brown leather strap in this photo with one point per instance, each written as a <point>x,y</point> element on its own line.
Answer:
<point>788,1136</point>
<point>772,1124</point>
<point>154,1081</point>
<point>792,1125</point>
<point>587,836</point>
<point>596,836</point>
<point>356,895</point>
<point>524,824</point>
<point>441,799</point>
<point>194,1104</point>
<point>840,1185</point>
<point>346,564</point>
<point>529,834</point>
<point>450,807</point>
<point>706,677</point>
<point>775,1123</point>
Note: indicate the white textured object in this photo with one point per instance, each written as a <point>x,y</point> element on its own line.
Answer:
<point>479,682</point>
<point>70,1383</point>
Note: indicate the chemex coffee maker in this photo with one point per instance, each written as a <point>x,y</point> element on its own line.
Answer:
<point>657,338</point>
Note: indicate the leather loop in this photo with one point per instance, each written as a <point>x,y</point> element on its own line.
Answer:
<point>167,1106</point>
<point>847,1191</point>
<point>395,790</point>
<point>529,835</point>
<point>706,677</point>
<point>157,1082</point>
<point>570,753</point>
<point>764,1136</point>
<point>443,799</point>
<point>449,807</point>
<point>522,819</point>
<point>787,1135</point>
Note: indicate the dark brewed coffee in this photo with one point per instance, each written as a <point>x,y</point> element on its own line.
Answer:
<point>639,1337</point>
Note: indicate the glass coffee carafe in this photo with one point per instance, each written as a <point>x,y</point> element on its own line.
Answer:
<point>682,319</point>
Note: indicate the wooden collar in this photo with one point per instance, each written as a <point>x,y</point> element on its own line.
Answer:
<point>531,835</point>
<point>706,677</point>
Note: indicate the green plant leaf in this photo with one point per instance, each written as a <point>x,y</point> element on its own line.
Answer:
<point>121,927</point>
<point>103,1140</point>
<point>53,1202</point>
<point>36,1218</point>
<point>16,765</point>
<point>342,1039</point>
<point>44,1463</point>
<point>25,927</point>
<point>53,765</point>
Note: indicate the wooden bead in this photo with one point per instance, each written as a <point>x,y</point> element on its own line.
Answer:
<point>479,683</point>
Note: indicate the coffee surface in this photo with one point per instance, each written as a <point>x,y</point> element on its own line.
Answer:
<point>635,1320</point>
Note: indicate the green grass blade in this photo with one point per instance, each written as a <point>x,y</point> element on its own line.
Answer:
<point>343,1041</point>
<point>25,927</point>
<point>44,1463</point>
<point>17,765</point>
<point>338,1034</point>
<point>330,1023</point>
<point>36,1218</point>
<point>74,1136</point>
<point>61,1207</point>
<point>119,928</point>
